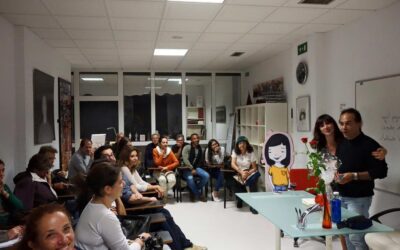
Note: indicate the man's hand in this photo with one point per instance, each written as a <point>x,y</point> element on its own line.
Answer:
<point>344,178</point>
<point>194,172</point>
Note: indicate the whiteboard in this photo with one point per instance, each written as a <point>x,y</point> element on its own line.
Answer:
<point>378,101</point>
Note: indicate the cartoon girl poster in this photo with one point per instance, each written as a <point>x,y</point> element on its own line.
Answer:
<point>278,155</point>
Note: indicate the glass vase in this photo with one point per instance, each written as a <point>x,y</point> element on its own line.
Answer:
<point>326,220</point>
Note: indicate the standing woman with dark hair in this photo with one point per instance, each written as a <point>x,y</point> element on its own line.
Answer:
<point>244,163</point>
<point>215,154</point>
<point>98,227</point>
<point>49,227</point>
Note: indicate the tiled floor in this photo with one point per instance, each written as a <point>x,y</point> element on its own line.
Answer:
<point>209,224</point>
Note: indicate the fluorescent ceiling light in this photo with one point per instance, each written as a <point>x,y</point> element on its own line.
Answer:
<point>170,52</point>
<point>178,80</point>
<point>92,79</point>
<point>198,1</point>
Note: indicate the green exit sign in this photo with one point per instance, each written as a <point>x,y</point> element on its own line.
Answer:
<point>302,48</point>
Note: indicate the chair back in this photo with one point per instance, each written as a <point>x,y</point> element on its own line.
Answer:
<point>301,178</point>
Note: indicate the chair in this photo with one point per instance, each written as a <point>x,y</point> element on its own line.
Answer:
<point>302,180</point>
<point>209,167</point>
<point>383,241</point>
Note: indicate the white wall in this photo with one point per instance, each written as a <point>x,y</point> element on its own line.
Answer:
<point>21,52</point>
<point>7,98</point>
<point>364,49</point>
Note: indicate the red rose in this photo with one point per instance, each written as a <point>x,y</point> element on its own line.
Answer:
<point>313,143</point>
<point>304,139</point>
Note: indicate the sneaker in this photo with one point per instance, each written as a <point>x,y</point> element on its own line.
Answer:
<point>196,247</point>
<point>215,196</point>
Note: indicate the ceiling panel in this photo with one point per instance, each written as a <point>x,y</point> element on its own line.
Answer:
<point>178,37</point>
<point>126,54</point>
<point>134,45</point>
<point>211,46</point>
<point>95,44</point>
<point>274,28</point>
<point>230,27</point>
<point>23,7</point>
<point>257,2</point>
<point>135,65</point>
<point>76,7</point>
<point>366,4</point>
<point>106,65</point>
<point>76,59</point>
<point>244,13</point>
<point>124,35</point>
<point>187,25</point>
<point>91,34</point>
<point>173,45</point>
<point>93,58</point>
<point>60,43</point>
<point>92,23</point>
<point>219,37</point>
<point>165,62</point>
<point>32,21</point>
<point>295,15</point>
<point>338,16</point>
<point>259,38</point>
<point>190,11</point>
<point>135,24</point>
<point>316,28</point>
<point>69,51</point>
<point>50,33</point>
<point>107,52</point>
<point>146,9</point>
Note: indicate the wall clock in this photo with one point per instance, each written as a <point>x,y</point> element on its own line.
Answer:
<point>302,72</point>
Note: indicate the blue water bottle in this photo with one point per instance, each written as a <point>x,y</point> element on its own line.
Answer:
<point>336,208</point>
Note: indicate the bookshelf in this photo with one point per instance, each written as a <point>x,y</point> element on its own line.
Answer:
<point>253,121</point>
<point>195,120</point>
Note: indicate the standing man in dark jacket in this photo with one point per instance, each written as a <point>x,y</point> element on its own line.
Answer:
<point>358,171</point>
<point>192,156</point>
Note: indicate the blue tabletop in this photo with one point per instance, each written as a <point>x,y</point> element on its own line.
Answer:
<point>278,208</point>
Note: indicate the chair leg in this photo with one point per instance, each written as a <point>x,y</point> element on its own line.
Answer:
<point>211,188</point>
<point>225,194</point>
<point>295,243</point>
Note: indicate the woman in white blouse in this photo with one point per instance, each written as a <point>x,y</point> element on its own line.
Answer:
<point>215,154</point>
<point>98,227</point>
<point>244,162</point>
<point>129,162</point>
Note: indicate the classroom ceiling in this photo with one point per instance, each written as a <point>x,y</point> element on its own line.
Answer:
<point>116,34</point>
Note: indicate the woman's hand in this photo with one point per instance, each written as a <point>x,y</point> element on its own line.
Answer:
<point>15,232</point>
<point>244,174</point>
<point>164,169</point>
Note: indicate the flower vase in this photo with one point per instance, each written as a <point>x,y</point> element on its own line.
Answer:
<point>326,220</point>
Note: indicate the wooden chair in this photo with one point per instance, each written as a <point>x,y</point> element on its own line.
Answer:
<point>178,185</point>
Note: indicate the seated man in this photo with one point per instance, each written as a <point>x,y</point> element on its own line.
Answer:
<point>192,157</point>
<point>32,186</point>
<point>148,154</point>
<point>81,159</point>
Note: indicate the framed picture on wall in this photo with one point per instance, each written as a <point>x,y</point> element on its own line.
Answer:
<point>43,107</point>
<point>65,112</point>
<point>303,113</point>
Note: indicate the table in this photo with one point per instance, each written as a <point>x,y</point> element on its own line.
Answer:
<point>278,208</point>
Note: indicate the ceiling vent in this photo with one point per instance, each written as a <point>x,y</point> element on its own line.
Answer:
<point>324,2</point>
<point>236,54</point>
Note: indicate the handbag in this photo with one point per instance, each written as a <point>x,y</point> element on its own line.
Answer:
<point>133,225</point>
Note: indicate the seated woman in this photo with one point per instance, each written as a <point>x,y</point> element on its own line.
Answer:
<point>9,203</point>
<point>98,226</point>
<point>48,227</point>
<point>244,163</point>
<point>215,154</point>
<point>165,160</point>
<point>129,163</point>
<point>32,187</point>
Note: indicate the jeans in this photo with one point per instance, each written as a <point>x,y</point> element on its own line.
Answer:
<point>361,206</point>
<point>217,174</point>
<point>194,186</point>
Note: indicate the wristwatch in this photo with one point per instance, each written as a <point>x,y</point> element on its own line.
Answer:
<point>355,176</point>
